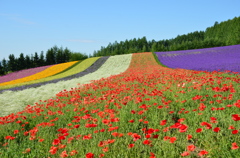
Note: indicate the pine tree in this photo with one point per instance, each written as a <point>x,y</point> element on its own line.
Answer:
<point>5,66</point>
<point>21,62</point>
<point>41,59</point>
<point>12,63</point>
<point>1,69</point>
<point>36,60</point>
<point>28,62</point>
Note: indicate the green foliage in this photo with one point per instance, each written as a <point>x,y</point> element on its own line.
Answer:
<point>225,33</point>
<point>77,56</point>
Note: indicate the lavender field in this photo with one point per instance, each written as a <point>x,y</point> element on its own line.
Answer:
<point>207,59</point>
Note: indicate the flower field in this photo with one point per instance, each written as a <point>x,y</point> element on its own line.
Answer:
<point>21,74</point>
<point>129,107</point>
<point>42,74</point>
<point>72,70</point>
<point>207,59</point>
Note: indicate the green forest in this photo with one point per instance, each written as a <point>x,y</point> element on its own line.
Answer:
<point>220,34</point>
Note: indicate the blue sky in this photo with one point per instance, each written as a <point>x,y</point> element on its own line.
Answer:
<point>30,26</point>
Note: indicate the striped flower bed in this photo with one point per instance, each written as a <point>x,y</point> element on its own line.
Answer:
<point>74,69</point>
<point>22,73</point>
<point>45,73</point>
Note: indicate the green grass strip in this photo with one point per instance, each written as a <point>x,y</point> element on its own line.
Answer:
<point>156,58</point>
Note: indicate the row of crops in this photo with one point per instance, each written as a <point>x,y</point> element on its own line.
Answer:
<point>124,106</point>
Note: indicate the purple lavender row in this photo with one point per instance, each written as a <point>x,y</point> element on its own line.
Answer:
<point>22,73</point>
<point>95,66</point>
<point>225,58</point>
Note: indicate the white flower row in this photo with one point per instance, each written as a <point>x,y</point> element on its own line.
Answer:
<point>11,102</point>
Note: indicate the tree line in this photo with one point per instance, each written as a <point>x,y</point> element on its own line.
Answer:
<point>54,55</point>
<point>220,34</point>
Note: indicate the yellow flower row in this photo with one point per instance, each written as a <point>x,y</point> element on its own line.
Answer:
<point>45,73</point>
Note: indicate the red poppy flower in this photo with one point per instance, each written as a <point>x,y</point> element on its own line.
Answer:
<point>145,122</point>
<point>203,152</point>
<point>150,131</point>
<point>131,121</point>
<point>90,125</point>
<point>152,155</point>
<point>53,150</point>
<point>216,129</point>
<point>89,155</point>
<point>61,146</point>
<point>173,139</point>
<point>73,152</point>
<point>61,137</point>
<point>130,145</point>
<point>15,131</point>
<point>56,142</point>
<point>89,136</point>
<point>10,137</point>
<point>166,138</point>
<point>234,131</point>
<point>234,146</point>
<point>185,153</point>
<point>199,130</point>
<point>163,122</point>
<point>135,136</point>
<point>147,142</point>
<point>64,154</point>
<point>76,126</point>
<point>189,136</point>
<point>191,147</point>
<point>105,149</point>
<point>235,117</point>
<point>27,151</point>
<point>115,134</point>
<point>41,140</point>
